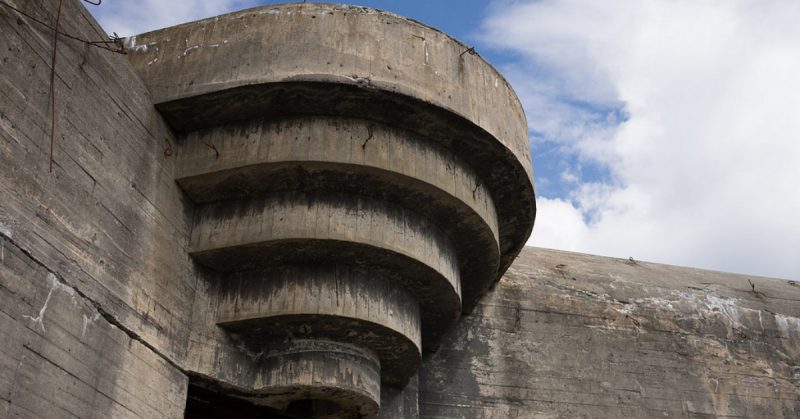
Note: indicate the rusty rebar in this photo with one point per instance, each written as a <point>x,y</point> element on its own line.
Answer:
<point>364,146</point>
<point>56,32</point>
<point>168,150</point>
<point>470,50</point>
<point>213,147</point>
<point>53,86</point>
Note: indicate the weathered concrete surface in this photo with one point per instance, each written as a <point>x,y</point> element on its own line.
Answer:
<point>95,286</point>
<point>303,217</point>
<point>350,156</point>
<point>391,166</point>
<point>571,335</point>
<point>337,380</point>
<point>62,357</point>
<point>108,218</point>
<point>343,44</point>
<point>246,152</point>
<point>350,305</point>
<point>400,403</point>
<point>324,59</point>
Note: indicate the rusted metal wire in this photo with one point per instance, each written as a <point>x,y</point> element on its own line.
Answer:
<point>470,50</point>
<point>53,86</point>
<point>752,285</point>
<point>97,44</point>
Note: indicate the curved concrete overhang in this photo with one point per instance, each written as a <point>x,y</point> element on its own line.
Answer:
<point>304,58</point>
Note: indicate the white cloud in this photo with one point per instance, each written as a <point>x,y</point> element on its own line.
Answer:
<point>128,18</point>
<point>564,228</point>
<point>706,167</point>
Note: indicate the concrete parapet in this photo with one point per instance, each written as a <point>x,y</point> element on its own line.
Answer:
<point>356,306</point>
<point>321,379</point>
<point>355,156</point>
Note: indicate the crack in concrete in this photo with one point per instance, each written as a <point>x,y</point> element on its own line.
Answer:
<point>59,282</point>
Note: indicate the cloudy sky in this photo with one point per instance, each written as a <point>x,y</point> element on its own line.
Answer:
<point>666,131</point>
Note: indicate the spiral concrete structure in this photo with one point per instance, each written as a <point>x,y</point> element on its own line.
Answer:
<point>359,180</point>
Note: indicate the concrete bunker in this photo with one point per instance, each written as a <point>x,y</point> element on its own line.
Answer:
<point>345,165</point>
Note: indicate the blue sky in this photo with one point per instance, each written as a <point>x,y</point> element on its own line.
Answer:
<point>665,131</point>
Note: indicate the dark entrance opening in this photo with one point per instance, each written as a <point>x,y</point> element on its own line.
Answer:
<point>309,408</point>
<point>205,403</point>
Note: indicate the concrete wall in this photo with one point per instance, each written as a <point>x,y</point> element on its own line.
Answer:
<point>95,287</point>
<point>570,335</point>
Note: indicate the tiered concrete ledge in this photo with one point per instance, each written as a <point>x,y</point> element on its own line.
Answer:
<point>359,180</point>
